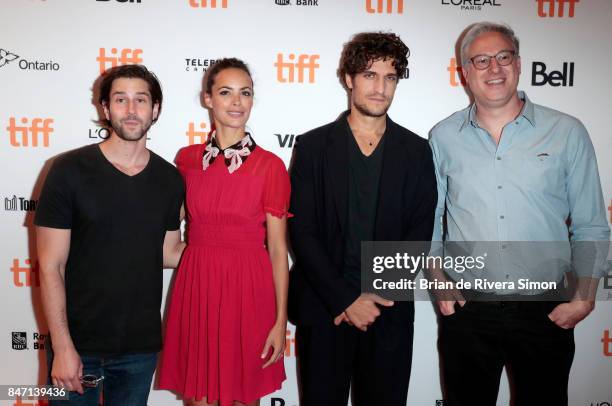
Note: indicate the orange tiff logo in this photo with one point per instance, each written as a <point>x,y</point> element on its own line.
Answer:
<point>28,135</point>
<point>126,56</point>
<point>290,67</point>
<point>456,73</point>
<point>204,3</point>
<point>560,9</point>
<point>607,343</point>
<point>380,4</point>
<point>19,402</point>
<point>29,273</point>
<point>289,344</point>
<point>192,134</point>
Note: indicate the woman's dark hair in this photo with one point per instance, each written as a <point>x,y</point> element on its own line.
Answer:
<point>220,65</point>
<point>367,47</point>
<point>131,72</point>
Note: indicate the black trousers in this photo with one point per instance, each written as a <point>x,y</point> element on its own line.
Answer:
<point>481,338</point>
<point>377,362</point>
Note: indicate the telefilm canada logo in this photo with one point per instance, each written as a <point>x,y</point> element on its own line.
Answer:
<point>471,5</point>
<point>200,65</point>
<point>8,57</point>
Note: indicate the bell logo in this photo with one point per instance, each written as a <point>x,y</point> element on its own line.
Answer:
<point>607,344</point>
<point>549,11</point>
<point>29,135</point>
<point>192,134</point>
<point>128,56</point>
<point>456,73</point>
<point>204,3</point>
<point>301,65</point>
<point>380,4</point>
<point>30,274</point>
<point>564,77</point>
<point>289,344</point>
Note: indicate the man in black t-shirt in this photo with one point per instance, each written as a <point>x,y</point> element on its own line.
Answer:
<point>107,223</point>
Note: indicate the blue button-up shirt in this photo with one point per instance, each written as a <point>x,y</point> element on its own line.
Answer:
<point>542,174</point>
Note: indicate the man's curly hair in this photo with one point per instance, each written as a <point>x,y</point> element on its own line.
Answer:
<point>367,47</point>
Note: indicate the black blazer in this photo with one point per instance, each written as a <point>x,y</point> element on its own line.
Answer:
<point>319,188</point>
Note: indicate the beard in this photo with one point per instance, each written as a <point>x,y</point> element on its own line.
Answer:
<point>130,135</point>
<point>366,111</point>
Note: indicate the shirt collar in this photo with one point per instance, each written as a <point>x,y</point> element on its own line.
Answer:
<point>527,111</point>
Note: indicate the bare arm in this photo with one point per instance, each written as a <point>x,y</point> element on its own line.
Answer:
<point>173,246</point>
<point>53,247</point>
<point>277,248</point>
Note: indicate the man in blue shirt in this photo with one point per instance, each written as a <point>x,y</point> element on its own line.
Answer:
<point>511,171</point>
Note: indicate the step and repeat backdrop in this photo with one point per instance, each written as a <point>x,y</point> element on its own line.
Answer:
<point>52,52</point>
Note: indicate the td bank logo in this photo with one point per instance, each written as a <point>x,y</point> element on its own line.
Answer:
<point>118,57</point>
<point>388,6</point>
<point>195,136</point>
<point>207,3</point>
<point>456,73</point>
<point>25,276</point>
<point>30,133</point>
<point>556,8</point>
<point>286,69</point>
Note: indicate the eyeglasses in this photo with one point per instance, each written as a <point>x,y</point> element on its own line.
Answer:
<point>91,381</point>
<point>503,58</point>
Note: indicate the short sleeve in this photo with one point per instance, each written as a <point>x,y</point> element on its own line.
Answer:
<point>55,202</point>
<point>173,222</point>
<point>277,189</point>
<point>190,157</point>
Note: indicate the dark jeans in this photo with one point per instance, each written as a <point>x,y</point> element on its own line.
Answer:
<point>127,380</point>
<point>480,338</point>
<point>378,361</point>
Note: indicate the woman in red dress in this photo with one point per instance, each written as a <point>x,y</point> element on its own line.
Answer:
<point>225,333</point>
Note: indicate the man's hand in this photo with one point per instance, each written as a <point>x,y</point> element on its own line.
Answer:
<point>567,315</point>
<point>67,370</point>
<point>342,318</point>
<point>363,311</point>
<point>447,300</point>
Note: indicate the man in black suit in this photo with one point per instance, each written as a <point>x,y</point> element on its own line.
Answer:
<point>360,178</point>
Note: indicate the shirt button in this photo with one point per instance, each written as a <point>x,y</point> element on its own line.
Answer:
<point>501,217</point>
<point>499,158</point>
<point>503,247</point>
<point>516,122</point>
<point>500,186</point>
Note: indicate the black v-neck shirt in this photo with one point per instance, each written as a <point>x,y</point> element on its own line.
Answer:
<point>118,222</point>
<point>363,182</point>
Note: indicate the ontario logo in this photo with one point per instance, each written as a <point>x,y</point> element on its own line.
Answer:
<point>6,57</point>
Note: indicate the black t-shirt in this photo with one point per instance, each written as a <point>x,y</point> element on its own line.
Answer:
<point>118,223</point>
<point>363,180</point>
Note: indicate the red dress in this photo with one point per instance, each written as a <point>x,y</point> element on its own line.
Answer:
<point>223,301</point>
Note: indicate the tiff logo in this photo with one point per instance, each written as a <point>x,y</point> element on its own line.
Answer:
<point>380,4</point>
<point>204,3</point>
<point>456,73</point>
<point>287,140</point>
<point>300,65</point>
<point>564,77</point>
<point>23,204</point>
<point>127,56</point>
<point>192,134</point>
<point>549,11</point>
<point>289,344</point>
<point>19,402</point>
<point>29,135</point>
<point>30,274</point>
<point>607,343</point>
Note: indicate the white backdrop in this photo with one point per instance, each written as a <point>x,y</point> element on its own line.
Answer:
<point>53,50</point>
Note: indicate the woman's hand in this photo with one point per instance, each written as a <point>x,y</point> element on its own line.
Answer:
<point>275,341</point>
